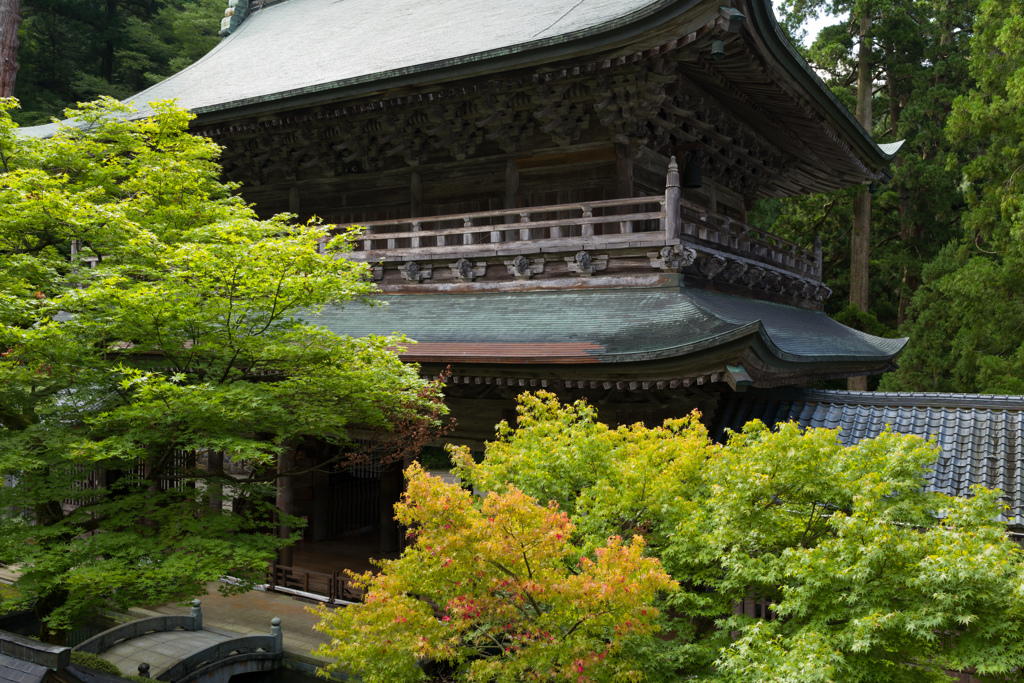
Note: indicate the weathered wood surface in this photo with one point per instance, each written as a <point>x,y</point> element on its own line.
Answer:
<point>732,248</point>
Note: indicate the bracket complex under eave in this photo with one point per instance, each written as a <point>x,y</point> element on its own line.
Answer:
<point>234,15</point>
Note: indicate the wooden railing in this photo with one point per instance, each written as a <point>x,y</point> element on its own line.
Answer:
<point>698,225</point>
<point>318,585</point>
<point>635,222</point>
<point>532,224</point>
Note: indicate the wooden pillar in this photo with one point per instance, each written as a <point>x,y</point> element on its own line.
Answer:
<point>624,168</point>
<point>712,198</point>
<point>390,491</point>
<point>285,500</point>
<point>415,195</point>
<point>215,489</point>
<point>293,199</point>
<point>511,188</point>
<point>673,221</point>
<point>320,522</point>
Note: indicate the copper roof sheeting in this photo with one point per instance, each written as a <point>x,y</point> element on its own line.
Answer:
<point>579,352</point>
<point>605,326</point>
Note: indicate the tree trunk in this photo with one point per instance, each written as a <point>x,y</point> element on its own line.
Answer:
<point>10,20</point>
<point>285,501</point>
<point>109,48</point>
<point>390,492</point>
<point>860,246</point>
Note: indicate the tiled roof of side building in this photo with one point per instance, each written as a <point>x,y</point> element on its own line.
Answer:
<point>602,326</point>
<point>14,670</point>
<point>982,437</point>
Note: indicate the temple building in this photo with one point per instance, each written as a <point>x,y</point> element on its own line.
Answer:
<point>554,195</point>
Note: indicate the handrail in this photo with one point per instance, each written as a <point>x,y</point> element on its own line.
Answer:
<point>102,642</point>
<point>680,221</point>
<point>291,580</point>
<point>218,652</point>
<point>548,208</point>
<point>527,224</point>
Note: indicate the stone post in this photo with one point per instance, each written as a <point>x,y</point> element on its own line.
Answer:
<point>275,632</point>
<point>197,615</point>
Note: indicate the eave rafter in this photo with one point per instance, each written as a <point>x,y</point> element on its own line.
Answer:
<point>665,96</point>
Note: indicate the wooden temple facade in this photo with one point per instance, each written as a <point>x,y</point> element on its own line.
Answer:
<point>554,192</point>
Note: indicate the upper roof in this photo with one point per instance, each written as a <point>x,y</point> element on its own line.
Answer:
<point>982,437</point>
<point>604,326</point>
<point>302,52</point>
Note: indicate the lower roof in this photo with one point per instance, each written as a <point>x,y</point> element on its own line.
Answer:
<point>982,437</point>
<point>603,326</point>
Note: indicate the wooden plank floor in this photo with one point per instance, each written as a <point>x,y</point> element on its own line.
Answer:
<point>352,552</point>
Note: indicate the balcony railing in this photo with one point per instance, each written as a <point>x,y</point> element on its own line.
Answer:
<point>650,222</point>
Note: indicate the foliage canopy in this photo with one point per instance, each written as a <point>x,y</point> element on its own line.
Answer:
<point>189,336</point>
<point>797,559</point>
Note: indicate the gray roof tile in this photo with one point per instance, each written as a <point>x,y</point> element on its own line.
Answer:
<point>982,437</point>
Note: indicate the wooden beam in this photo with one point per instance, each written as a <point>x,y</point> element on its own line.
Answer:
<point>415,195</point>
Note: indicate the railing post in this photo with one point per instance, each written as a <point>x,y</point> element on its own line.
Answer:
<point>588,228</point>
<point>197,615</point>
<point>467,237</point>
<point>416,227</point>
<point>367,240</point>
<point>817,255</point>
<point>524,233</point>
<point>275,633</point>
<point>672,199</point>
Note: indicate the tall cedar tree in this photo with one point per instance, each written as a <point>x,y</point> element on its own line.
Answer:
<point>967,321</point>
<point>918,67</point>
<point>76,50</point>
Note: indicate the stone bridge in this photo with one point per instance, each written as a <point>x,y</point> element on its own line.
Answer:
<point>177,649</point>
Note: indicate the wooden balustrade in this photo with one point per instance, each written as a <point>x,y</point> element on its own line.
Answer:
<point>327,587</point>
<point>489,227</point>
<point>648,221</point>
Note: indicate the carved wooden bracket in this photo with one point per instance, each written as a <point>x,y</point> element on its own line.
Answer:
<point>412,272</point>
<point>524,268</point>
<point>584,264</point>
<point>672,259</point>
<point>466,271</point>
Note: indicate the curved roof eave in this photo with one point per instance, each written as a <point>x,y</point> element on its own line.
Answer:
<point>531,52</point>
<point>589,39</point>
<point>768,29</point>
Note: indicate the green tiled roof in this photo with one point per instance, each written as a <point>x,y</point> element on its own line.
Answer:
<point>607,326</point>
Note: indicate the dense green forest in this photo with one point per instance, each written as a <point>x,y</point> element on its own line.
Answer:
<point>76,50</point>
<point>945,230</point>
<point>945,76</point>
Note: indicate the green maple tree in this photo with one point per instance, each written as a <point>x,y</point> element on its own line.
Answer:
<point>190,335</point>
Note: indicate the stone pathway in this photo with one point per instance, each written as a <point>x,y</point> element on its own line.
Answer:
<point>160,650</point>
